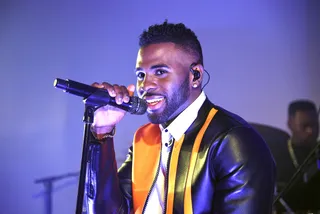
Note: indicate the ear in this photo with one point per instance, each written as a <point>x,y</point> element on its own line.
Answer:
<point>196,75</point>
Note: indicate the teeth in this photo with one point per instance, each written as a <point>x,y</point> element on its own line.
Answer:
<point>154,100</point>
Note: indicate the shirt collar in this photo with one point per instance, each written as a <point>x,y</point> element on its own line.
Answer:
<point>180,125</point>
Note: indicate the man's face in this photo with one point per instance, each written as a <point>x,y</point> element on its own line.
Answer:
<point>305,127</point>
<point>164,80</point>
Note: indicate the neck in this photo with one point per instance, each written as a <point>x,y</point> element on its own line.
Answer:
<point>295,142</point>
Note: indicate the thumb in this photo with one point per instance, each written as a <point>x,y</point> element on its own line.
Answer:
<point>131,89</point>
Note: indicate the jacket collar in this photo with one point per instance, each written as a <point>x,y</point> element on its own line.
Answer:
<point>201,116</point>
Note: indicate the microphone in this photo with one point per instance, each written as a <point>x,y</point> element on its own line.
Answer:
<point>100,97</point>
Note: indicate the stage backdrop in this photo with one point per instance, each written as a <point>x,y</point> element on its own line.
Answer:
<point>260,55</point>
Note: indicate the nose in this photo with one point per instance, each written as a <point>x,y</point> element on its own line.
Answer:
<point>147,85</point>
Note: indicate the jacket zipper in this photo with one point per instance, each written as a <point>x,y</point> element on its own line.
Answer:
<point>154,181</point>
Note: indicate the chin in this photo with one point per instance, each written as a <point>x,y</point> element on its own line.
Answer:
<point>156,118</point>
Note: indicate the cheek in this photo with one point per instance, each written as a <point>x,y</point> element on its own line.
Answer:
<point>301,129</point>
<point>139,88</point>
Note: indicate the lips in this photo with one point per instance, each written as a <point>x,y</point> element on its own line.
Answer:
<point>154,102</point>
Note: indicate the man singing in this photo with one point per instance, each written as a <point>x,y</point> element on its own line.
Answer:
<point>193,156</point>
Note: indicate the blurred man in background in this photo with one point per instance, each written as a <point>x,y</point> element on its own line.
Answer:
<point>303,123</point>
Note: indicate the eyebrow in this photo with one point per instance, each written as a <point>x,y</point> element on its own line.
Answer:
<point>154,67</point>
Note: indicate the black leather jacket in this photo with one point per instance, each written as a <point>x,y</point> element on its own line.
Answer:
<point>235,171</point>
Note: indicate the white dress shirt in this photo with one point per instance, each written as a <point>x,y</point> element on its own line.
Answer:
<point>156,203</point>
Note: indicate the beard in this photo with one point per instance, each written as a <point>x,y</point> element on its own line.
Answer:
<point>172,103</point>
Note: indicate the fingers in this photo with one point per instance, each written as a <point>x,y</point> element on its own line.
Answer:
<point>131,89</point>
<point>120,93</point>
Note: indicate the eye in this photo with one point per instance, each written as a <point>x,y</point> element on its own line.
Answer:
<point>140,75</point>
<point>159,72</point>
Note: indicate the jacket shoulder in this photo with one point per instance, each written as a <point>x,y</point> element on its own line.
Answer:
<point>226,123</point>
<point>224,120</point>
<point>228,119</point>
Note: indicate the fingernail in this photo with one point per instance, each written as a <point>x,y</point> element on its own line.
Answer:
<point>119,101</point>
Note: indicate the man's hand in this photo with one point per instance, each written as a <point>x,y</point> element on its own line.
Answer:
<point>106,117</point>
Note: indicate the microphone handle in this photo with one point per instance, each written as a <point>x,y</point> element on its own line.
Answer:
<point>76,88</point>
<point>100,97</point>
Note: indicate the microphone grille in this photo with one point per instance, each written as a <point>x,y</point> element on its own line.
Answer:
<point>139,106</point>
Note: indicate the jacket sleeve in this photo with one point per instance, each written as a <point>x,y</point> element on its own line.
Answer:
<point>244,172</point>
<point>107,190</point>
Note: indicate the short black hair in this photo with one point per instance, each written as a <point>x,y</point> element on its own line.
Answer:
<point>175,33</point>
<point>301,105</point>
